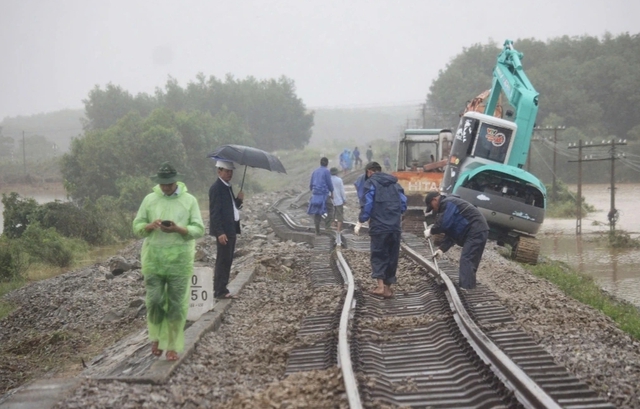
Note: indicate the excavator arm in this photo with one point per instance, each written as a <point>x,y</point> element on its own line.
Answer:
<point>509,77</point>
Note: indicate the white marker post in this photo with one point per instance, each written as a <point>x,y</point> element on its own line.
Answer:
<point>201,294</point>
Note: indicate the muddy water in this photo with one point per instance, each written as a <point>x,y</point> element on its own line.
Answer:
<point>616,270</point>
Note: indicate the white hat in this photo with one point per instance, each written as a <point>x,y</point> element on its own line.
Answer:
<point>225,165</point>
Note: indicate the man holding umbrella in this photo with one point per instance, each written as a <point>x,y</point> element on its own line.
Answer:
<point>224,225</point>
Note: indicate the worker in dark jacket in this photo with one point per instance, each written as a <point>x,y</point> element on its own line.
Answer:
<point>464,225</point>
<point>383,203</point>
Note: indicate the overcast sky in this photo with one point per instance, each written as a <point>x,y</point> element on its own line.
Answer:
<point>339,53</point>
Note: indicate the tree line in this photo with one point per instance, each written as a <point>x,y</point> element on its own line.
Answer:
<point>271,113</point>
<point>588,85</point>
<point>585,83</point>
<point>126,137</point>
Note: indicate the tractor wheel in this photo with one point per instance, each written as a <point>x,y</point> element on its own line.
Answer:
<point>526,250</point>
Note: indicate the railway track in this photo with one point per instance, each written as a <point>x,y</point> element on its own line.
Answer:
<point>432,344</point>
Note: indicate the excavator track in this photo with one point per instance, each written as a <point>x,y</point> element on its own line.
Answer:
<point>526,250</point>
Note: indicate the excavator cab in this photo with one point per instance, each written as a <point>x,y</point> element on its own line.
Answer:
<point>422,156</point>
<point>510,198</point>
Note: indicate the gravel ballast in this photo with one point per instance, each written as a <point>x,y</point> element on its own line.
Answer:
<point>241,365</point>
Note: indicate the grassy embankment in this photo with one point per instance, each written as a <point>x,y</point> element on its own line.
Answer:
<point>584,289</point>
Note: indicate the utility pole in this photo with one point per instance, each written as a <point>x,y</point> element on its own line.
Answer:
<point>554,190</point>
<point>555,129</point>
<point>579,219</point>
<point>613,212</point>
<point>534,138</point>
<point>24,155</point>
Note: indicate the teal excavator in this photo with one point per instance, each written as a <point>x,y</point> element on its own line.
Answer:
<point>489,151</point>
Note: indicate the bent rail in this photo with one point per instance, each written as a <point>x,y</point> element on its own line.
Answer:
<point>528,392</point>
<point>344,348</point>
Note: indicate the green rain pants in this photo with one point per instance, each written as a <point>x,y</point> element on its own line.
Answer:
<point>167,306</point>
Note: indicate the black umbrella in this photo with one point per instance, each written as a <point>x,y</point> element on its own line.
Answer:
<point>248,156</point>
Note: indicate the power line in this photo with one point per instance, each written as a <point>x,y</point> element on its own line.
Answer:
<point>561,151</point>
<point>613,214</point>
<point>631,165</point>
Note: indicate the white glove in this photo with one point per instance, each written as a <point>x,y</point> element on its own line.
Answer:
<point>427,233</point>
<point>356,229</point>
<point>437,254</point>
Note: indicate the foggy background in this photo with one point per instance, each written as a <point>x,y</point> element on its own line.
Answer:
<point>340,54</point>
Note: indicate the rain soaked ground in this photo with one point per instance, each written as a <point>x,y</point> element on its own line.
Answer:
<point>616,270</point>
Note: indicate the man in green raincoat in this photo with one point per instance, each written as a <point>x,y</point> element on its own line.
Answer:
<point>169,219</point>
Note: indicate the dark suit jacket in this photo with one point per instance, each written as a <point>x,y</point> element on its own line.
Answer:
<point>221,210</point>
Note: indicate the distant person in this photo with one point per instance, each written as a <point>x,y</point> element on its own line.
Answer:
<point>339,199</point>
<point>349,160</point>
<point>357,161</point>
<point>387,162</point>
<point>224,225</point>
<point>321,195</point>
<point>169,219</point>
<point>384,204</point>
<point>345,160</point>
<point>369,154</point>
<point>463,224</point>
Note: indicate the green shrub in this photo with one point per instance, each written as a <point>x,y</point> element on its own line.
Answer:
<point>17,214</point>
<point>622,239</point>
<point>13,263</point>
<point>116,221</point>
<point>48,246</point>
<point>563,210</point>
<point>132,190</point>
<point>67,218</point>
<point>70,221</point>
<point>565,205</point>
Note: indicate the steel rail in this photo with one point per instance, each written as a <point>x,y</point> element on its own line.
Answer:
<point>344,347</point>
<point>528,392</point>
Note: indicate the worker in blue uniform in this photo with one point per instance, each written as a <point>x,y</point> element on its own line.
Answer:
<point>382,204</point>
<point>464,225</point>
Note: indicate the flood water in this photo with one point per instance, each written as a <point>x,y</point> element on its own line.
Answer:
<point>615,270</point>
